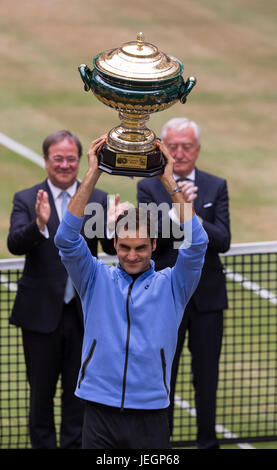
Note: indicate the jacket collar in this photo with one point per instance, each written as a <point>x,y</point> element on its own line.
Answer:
<point>144,275</point>
<point>57,191</point>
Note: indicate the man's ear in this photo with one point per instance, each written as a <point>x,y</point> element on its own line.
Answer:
<point>45,161</point>
<point>114,243</point>
<point>154,246</point>
<point>198,151</point>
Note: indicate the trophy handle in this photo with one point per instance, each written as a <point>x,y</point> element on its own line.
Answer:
<point>186,89</point>
<point>85,73</point>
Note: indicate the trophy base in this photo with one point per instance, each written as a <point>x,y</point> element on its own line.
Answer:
<point>131,164</point>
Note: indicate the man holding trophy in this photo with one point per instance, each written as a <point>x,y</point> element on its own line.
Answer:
<point>131,312</point>
<point>131,316</point>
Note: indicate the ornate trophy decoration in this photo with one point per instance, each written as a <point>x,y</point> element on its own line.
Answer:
<point>135,79</point>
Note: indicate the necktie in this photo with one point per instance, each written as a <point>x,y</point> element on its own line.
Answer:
<point>64,196</point>
<point>69,289</point>
<point>183,179</point>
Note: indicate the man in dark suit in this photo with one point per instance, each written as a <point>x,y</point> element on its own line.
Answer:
<point>47,307</point>
<point>203,317</point>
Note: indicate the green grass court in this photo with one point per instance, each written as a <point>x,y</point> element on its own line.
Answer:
<point>231,48</point>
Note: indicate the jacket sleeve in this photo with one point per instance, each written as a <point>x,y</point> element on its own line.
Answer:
<point>75,254</point>
<point>186,273</point>
<point>24,233</point>
<point>219,230</point>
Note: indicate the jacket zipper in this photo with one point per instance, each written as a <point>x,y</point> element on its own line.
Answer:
<point>164,369</point>
<point>126,347</point>
<point>86,361</point>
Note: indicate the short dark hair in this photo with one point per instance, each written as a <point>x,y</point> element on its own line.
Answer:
<point>58,136</point>
<point>139,217</point>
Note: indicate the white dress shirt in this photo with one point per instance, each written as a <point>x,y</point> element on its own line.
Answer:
<point>191,176</point>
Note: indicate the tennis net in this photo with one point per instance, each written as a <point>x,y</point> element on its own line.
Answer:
<point>246,398</point>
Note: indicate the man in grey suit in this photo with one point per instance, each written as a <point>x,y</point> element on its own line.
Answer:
<point>203,317</point>
<point>47,308</point>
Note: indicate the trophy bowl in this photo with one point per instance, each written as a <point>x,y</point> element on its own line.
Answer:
<point>136,80</point>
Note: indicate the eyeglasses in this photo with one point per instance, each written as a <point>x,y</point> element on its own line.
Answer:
<point>185,147</point>
<point>71,160</point>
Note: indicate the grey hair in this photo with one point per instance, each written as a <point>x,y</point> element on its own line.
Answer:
<point>58,136</point>
<point>180,123</point>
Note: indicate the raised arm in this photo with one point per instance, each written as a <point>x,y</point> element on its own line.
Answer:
<point>181,199</point>
<point>73,249</point>
<point>80,199</point>
<point>186,273</point>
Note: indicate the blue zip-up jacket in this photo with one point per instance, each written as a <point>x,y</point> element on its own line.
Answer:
<point>130,327</point>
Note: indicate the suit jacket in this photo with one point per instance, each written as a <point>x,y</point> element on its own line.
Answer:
<point>39,300</point>
<point>212,206</point>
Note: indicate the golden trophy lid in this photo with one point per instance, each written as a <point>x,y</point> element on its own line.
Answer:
<point>139,61</point>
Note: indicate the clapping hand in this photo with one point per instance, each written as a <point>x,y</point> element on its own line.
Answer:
<point>43,209</point>
<point>189,190</point>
